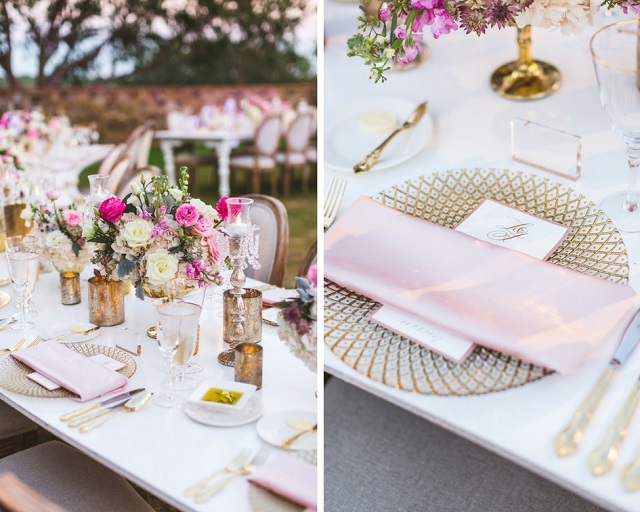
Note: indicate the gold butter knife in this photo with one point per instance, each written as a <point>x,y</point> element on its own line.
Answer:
<point>567,441</point>
<point>371,159</point>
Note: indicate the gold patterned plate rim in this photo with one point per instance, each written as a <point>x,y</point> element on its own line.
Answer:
<point>593,246</point>
<point>13,373</point>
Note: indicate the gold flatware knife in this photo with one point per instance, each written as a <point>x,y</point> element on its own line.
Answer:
<point>370,160</point>
<point>567,441</point>
<point>116,400</point>
<point>133,405</point>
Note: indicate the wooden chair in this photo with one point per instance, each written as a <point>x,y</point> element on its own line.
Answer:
<point>271,216</point>
<point>297,139</point>
<point>125,185</point>
<point>266,139</point>
<point>310,257</point>
<point>117,175</point>
<point>17,432</point>
<point>111,159</point>
<point>66,478</point>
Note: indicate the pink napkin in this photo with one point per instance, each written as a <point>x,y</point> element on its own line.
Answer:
<point>290,478</point>
<point>501,299</point>
<point>275,295</point>
<point>71,370</point>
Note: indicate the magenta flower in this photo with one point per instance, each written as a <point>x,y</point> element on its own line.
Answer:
<point>411,51</point>
<point>425,4</point>
<point>159,229</point>
<point>187,215</point>
<point>195,269</point>
<point>401,32</point>
<point>72,218</point>
<point>203,227</point>
<point>52,195</point>
<point>426,18</point>
<point>384,14</point>
<point>222,209</point>
<point>442,24</point>
<point>312,275</point>
<point>111,209</point>
<point>144,215</point>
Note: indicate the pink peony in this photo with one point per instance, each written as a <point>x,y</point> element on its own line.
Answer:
<point>111,209</point>
<point>212,246</point>
<point>203,227</point>
<point>187,215</point>
<point>72,218</point>
<point>222,209</point>
<point>312,275</point>
<point>52,195</point>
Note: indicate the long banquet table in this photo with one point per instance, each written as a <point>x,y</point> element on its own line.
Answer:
<point>472,130</point>
<point>160,449</point>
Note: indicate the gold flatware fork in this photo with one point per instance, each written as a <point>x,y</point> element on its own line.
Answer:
<point>236,465</point>
<point>36,342</point>
<point>293,439</point>
<point>333,200</point>
<point>257,461</point>
<point>372,158</point>
<point>13,348</point>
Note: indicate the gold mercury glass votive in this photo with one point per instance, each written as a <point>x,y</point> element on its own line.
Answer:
<point>106,302</point>
<point>248,368</point>
<point>253,315</point>
<point>14,225</point>
<point>70,288</point>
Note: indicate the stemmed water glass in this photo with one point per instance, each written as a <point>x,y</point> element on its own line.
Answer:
<point>23,270</point>
<point>615,49</point>
<point>177,331</point>
<point>185,289</point>
<point>25,243</point>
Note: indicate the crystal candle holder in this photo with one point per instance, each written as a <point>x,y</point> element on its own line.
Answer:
<point>248,364</point>
<point>69,288</point>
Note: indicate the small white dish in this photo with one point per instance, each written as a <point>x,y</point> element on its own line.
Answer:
<point>65,328</point>
<point>249,414</point>
<point>275,429</point>
<point>247,391</point>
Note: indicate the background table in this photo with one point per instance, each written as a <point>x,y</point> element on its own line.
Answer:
<point>223,141</point>
<point>160,449</point>
<point>472,130</point>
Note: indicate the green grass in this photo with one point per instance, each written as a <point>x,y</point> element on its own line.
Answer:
<point>301,208</point>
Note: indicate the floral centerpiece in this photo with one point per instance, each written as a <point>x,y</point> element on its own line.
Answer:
<point>156,233</point>
<point>61,240</point>
<point>298,320</point>
<point>396,33</point>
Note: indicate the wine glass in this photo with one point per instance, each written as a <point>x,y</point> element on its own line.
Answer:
<point>27,243</point>
<point>614,49</point>
<point>23,270</point>
<point>187,289</point>
<point>177,331</point>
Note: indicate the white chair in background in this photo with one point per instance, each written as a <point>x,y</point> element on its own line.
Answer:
<point>297,139</point>
<point>266,139</point>
<point>111,159</point>
<point>124,187</point>
<point>117,175</point>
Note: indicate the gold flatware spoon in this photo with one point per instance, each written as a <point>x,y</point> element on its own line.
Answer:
<point>370,160</point>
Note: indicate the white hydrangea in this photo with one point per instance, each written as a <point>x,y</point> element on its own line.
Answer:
<point>55,239</point>
<point>569,15</point>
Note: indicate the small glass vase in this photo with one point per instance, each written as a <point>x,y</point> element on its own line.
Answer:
<point>106,302</point>
<point>525,79</point>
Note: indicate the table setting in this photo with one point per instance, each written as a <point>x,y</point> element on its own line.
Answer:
<point>415,340</point>
<point>166,406</point>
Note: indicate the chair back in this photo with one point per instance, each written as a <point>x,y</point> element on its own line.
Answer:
<point>299,133</point>
<point>15,496</point>
<point>125,184</point>
<point>117,174</point>
<point>146,140</point>
<point>310,257</point>
<point>271,216</point>
<point>267,136</point>
<point>111,159</point>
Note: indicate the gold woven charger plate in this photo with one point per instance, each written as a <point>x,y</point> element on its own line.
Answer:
<point>594,247</point>
<point>13,374</point>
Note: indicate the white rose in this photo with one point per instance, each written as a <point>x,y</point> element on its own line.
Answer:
<point>135,189</point>
<point>137,233</point>
<point>27,214</point>
<point>161,266</point>
<point>205,209</point>
<point>176,193</point>
<point>54,239</point>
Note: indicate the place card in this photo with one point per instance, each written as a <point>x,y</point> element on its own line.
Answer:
<point>46,383</point>
<point>495,223</point>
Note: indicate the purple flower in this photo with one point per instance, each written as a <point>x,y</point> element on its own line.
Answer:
<point>442,24</point>
<point>426,18</point>
<point>411,51</point>
<point>144,215</point>
<point>195,268</point>
<point>384,14</point>
<point>162,210</point>
<point>400,32</point>
<point>425,4</point>
<point>500,12</point>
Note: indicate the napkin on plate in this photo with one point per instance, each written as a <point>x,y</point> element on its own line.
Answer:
<point>275,295</point>
<point>71,370</point>
<point>501,299</point>
<point>290,478</point>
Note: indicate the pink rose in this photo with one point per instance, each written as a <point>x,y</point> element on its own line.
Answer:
<point>32,133</point>
<point>187,215</point>
<point>72,218</point>
<point>222,209</point>
<point>212,246</point>
<point>52,195</point>
<point>111,209</point>
<point>312,275</point>
<point>204,226</point>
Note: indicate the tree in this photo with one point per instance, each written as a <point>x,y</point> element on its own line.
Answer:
<point>187,41</point>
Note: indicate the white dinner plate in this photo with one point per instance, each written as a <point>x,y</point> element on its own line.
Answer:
<point>275,429</point>
<point>63,328</point>
<point>347,143</point>
<point>251,412</point>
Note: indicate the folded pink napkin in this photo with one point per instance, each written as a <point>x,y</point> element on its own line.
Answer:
<point>275,295</point>
<point>71,370</point>
<point>501,299</point>
<point>290,478</point>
